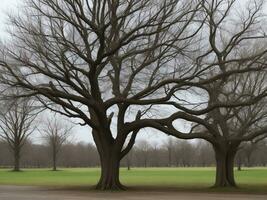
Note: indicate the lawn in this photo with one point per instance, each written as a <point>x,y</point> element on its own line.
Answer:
<point>254,179</point>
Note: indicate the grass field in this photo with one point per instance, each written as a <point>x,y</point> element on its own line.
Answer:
<point>254,179</point>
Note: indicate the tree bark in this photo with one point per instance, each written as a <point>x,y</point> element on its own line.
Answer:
<point>110,167</point>
<point>16,160</point>
<point>110,153</point>
<point>54,161</point>
<point>225,167</point>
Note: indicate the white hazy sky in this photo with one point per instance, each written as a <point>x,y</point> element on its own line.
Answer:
<point>5,7</point>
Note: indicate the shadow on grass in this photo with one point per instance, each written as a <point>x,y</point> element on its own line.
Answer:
<point>58,170</point>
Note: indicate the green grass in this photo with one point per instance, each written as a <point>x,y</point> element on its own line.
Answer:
<point>249,180</point>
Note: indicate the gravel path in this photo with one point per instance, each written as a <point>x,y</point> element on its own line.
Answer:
<point>38,193</point>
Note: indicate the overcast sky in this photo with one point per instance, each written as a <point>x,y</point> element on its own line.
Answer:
<point>5,7</point>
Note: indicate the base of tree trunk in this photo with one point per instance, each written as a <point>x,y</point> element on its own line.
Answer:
<point>16,170</point>
<point>16,167</point>
<point>225,179</point>
<point>110,179</point>
<point>114,186</point>
<point>224,184</point>
<point>54,168</point>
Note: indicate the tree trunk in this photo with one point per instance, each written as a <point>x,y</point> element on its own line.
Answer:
<point>239,167</point>
<point>239,164</point>
<point>54,161</point>
<point>225,167</point>
<point>110,167</point>
<point>16,160</point>
<point>249,162</point>
<point>128,163</point>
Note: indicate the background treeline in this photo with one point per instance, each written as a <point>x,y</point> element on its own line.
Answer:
<point>173,153</point>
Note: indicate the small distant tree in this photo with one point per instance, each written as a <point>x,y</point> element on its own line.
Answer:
<point>248,149</point>
<point>156,151</point>
<point>204,153</point>
<point>170,148</point>
<point>144,147</point>
<point>129,160</point>
<point>16,125</point>
<point>56,133</point>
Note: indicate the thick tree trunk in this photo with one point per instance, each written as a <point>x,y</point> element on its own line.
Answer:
<point>110,167</point>
<point>110,151</point>
<point>16,160</point>
<point>225,167</point>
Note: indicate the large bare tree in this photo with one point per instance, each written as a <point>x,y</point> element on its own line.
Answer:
<point>233,43</point>
<point>89,57</point>
<point>226,128</point>
<point>112,63</point>
<point>233,126</point>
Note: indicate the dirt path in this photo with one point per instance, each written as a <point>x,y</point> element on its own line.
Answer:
<point>37,193</point>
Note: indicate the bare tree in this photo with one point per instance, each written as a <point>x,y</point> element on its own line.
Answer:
<point>248,149</point>
<point>183,150</point>
<point>78,155</point>
<point>16,125</point>
<point>129,160</point>
<point>238,49</point>
<point>106,61</point>
<point>55,133</point>
<point>227,128</point>
<point>239,160</point>
<point>238,124</point>
<point>144,148</point>
<point>89,58</point>
<point>204,153</point>
<point>169,145</point>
